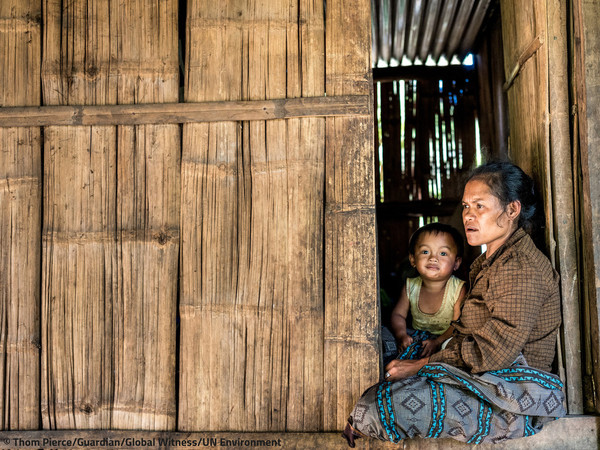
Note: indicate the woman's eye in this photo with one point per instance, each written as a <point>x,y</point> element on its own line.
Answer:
<point>479,206</point>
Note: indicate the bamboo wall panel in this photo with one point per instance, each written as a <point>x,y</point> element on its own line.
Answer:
<point>522,22</point>
<point>538,114</point>
<point>252,223</point>
<point>20,209</point>
<point>351,302</point>
<point>111,220</point>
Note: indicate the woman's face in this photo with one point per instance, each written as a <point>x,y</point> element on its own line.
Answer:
<point>485,221</point>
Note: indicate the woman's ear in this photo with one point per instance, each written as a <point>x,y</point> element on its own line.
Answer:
<point>513,210</point>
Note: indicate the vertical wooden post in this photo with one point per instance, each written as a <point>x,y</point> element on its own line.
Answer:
<point>352,334</point>
<point>20,216</point>
<point>587,15</point>
<point>539,144</point>
<point>561,170</point>
<point>111,220</point>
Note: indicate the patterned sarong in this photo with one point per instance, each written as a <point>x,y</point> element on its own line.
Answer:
<point>442,401</point>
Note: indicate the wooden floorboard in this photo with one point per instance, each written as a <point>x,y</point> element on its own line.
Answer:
<point>574,432</point>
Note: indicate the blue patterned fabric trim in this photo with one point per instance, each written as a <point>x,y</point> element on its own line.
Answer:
<point>436,371</point>
<point>483,424</point>
<point>529,431</point>
<point>528,374</point>
<point>439,409</point>
<point>434,412</point>
<point>414,350</point>
<point>390,408</point>
<point>389,426</point>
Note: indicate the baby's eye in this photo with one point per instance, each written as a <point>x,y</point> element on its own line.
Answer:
<point>443,253</point>
<point>424,252</point>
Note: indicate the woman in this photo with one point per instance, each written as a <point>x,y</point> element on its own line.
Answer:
<point>491,382</point>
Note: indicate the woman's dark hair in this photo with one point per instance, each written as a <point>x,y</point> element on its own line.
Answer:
<point>436,228</point>
<point>508,183</point>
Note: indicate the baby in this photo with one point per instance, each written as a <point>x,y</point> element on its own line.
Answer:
<point>434,298</point>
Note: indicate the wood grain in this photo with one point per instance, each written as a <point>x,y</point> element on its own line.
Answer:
<point>111,220</point>
<point>534,37</point>
<point>163,113</point>
<point>20,211</point>
<point>351,302</point>
<point>252,223</point>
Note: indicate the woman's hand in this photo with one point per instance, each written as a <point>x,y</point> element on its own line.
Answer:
<point>399,369</point>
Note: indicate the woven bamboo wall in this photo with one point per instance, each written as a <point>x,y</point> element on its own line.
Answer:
<point>111,219</point>
<point>256,237</point>
<point>20,209</point>
<point>252,224</point>
<point>252,283</point>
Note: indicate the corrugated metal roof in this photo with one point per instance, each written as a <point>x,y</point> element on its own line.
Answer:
<point>419,29</point>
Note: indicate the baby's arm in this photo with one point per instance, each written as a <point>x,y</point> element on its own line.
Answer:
<point>398,320</point>
<point>430,346</point>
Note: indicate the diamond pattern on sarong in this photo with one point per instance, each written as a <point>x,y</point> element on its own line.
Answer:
<point>359,413</point>
<point>551,403</point>
<point>412,403</point>
<point>413,431</point>
<point>508,417</point>
<point>462,408</point>
<point>457,431</point>
<point>525,401</point>
<point>501,391</point>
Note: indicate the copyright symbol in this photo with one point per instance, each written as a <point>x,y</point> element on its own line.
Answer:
<point>7,441</point>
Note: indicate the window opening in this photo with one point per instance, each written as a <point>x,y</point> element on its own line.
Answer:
<point>428,138</point>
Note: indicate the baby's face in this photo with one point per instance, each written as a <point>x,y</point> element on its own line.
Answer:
<point>435,256</point>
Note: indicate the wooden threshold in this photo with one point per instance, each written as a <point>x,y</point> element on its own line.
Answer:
<point>570,432</point>
<point>163,113</point>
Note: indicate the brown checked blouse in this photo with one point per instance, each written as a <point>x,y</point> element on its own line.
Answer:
<point>513,307</point>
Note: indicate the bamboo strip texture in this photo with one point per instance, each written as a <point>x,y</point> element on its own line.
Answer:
<point>20,210</point>
<point>351,303</point>
<point>252,224</point>
<point>111,220</point>
<point>164,113</point>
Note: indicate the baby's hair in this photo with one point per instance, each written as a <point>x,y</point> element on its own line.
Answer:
<point>435,228</point>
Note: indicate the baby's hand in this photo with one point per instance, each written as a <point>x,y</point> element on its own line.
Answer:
<point>405,341</point>
<point>429,348</point>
